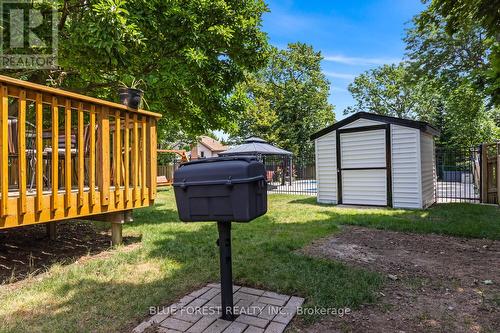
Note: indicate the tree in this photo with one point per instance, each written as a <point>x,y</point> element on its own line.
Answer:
<point>388,90</point>
<point>458,38</point>
<point>190,53</point>
<point>447,78</point>
<point>468,120</point>
<point>288,100</point>
<point>458,15</point>
<point>460,111</point>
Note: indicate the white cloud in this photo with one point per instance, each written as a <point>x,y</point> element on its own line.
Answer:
<point>360,60</point>
<point>337,75</point>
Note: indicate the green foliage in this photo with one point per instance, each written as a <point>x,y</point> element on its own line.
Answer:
<point>446,80</point>
<point>458,15</point>
<point>190,53</point>
<point>388,90</point>
<point>436,52</point>
<point>458,110</point>
<point>287,101</point>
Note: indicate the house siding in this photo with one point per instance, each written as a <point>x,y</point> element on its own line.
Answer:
<point>326,168</point>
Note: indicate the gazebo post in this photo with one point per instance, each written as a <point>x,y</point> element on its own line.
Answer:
<point>283,173</point>
<point>290,159</point>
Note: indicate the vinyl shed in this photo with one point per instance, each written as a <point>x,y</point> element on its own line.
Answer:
<point>374,160</point>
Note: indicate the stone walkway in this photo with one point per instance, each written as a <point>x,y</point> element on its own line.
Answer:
<point>257,310</point>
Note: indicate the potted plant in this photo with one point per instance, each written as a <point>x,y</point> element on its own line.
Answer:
<point>130,94</point>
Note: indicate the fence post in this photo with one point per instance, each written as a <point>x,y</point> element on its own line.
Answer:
<point>498,172</point>
<point>484,173</point>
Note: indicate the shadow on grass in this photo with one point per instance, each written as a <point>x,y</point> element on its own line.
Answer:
<point>154,216</point>
<point>116,293</point>
<point>264,255</point>
<point>27,251</point>
<point>308,201</point>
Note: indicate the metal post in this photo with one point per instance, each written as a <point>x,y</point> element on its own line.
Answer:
<point>484,173</point>
<point>226,272</point>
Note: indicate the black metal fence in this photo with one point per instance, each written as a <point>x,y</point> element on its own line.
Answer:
<point>291,174</point>
<point>458,174</point>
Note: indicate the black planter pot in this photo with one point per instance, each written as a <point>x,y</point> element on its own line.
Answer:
<point>131,97</point>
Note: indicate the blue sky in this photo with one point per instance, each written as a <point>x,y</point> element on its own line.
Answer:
<point>352,35</point>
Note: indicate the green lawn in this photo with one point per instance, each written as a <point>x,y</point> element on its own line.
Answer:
<point>114,290</point>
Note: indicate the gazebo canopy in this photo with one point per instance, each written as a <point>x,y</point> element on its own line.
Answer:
<point>255,146</point>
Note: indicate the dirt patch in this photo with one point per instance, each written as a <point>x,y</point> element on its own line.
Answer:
<point>434,283</point>
<point>27,251</point>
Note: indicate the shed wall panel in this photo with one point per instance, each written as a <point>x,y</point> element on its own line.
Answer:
<point>364,187</point>
<point>363,149</point>
<point>362,122</point>
<point>406,180</point>
<point>428,167</point>
<point>326,168</point>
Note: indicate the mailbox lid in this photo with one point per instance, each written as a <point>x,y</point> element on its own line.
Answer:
<point>219,170</point>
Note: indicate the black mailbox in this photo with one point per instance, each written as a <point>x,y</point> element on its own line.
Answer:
<point>221,189</point>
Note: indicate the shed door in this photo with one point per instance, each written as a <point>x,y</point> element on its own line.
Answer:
<point>364,160</point>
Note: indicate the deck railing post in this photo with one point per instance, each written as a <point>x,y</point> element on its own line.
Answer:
<point>4,150</point>
<point>126,140</point>
<point>117,156</point>
<point>39,153</point>
<point>152,156</point>
<point>92,157</point>
<point>55,155</point>
<point>143,158</point>
<point>81,157</point>
<point>135,159</point>
<point>103,155</point>
<point>21,140</point>
<point>67,154</point>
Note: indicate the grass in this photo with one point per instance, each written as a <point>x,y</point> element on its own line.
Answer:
<point>453,219</point>
<point>114,290</point>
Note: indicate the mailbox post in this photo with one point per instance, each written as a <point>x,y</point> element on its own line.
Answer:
<point>226,270</point>
<point>224,190</point>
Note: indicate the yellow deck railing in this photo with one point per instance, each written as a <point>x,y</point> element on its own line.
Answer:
<point>66,155</point>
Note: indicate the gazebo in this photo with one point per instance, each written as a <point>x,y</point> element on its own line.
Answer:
<point>269,155</point>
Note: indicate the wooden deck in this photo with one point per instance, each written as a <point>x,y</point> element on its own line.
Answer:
<point>105,160</point>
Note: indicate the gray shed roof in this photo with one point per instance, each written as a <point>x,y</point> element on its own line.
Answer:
<point>255,146</point>
<point>421,125</point>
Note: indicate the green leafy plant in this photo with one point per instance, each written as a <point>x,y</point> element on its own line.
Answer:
<point>133,83</point>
